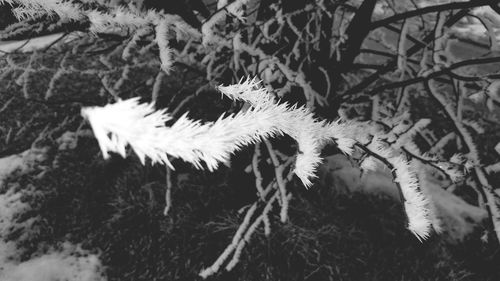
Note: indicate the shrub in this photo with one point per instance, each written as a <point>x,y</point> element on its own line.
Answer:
<point>316,71</point>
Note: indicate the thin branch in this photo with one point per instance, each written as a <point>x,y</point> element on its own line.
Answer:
<point>447,70</point>
<point>430,9</point>
<point>390,167</point>
<point>390,66</point>
<point>485,189</point>
<point>55,41</point>
<point>279,168</point>
<point>168,191</point>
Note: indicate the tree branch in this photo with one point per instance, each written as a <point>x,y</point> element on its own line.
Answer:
<point>390,66</point>
<point>430,9</point>
<point>447,70</point>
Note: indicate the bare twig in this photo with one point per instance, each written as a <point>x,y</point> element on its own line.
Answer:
<point>168,191</point>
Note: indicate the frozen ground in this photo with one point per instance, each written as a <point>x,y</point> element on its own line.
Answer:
<point>63,262</point>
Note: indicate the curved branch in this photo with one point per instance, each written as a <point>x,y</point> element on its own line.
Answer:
<point>430,9</point>
<point>390,66</point>
<point>448,70</point>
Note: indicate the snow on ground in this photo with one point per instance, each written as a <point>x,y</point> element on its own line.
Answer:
<point>22,162</point>
<point>8,165</point>
<point>67,262</point>
<point>70,263</point>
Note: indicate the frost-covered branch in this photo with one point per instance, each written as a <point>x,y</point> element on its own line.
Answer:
<point>485,188</point>
<point>140,126</point>
<point>249,224</point>
<point>112,19</point>
<point>405,177</point>
<point>128,122</point>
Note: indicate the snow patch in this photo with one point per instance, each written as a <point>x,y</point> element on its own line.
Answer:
<point>71,263</point>
<point>67,262</point>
